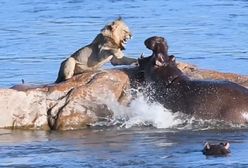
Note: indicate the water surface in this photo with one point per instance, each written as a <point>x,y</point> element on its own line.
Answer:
<point>37,35</point>
<point>140,147</point>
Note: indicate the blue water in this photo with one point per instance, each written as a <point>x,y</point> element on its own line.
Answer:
<point>37,35</point>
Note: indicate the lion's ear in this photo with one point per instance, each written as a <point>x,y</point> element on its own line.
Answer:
<point>119,18</point>
<point>113,26</point>
<point>107,27</point>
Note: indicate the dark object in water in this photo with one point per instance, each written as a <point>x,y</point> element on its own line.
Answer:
<point>221,149</point>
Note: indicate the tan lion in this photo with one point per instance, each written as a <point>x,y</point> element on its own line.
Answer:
<point>107,46</point>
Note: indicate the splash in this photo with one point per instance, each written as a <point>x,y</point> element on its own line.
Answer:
<point>141,112</point>
<point>245,115</point>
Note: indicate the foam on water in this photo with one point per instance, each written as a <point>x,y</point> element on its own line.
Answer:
<point>141,112</point>
<point>245,115</point>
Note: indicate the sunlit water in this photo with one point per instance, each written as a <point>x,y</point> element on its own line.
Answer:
<point>37,35</point>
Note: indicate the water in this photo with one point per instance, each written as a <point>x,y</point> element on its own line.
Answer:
<point>37,35</point>
<point>137,147</point>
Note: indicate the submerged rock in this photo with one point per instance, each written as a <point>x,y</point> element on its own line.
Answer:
<point>81,100</point>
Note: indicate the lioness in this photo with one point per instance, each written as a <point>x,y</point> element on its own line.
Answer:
<point>107,46</point>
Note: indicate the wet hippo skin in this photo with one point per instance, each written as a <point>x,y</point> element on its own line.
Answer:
<point>206,99</point>
<point>221,149</point>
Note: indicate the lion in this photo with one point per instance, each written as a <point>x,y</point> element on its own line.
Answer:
<point>107,46</point>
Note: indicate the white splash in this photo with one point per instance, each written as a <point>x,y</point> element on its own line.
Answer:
<point>245,116</point>
<point>142,113</point>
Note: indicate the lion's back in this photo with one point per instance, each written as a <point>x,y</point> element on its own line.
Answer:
<point>83,54</point>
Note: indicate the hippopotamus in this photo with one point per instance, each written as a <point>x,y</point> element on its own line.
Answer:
<point>221,149</point>
<point>205,99</point>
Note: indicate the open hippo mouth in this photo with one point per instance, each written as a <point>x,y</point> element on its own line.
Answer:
<point>159,61</point>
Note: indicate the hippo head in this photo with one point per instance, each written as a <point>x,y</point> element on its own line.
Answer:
<point>220,149</point>
<point>159,67</point>
<point>151,42</point>
<point>160,51</point>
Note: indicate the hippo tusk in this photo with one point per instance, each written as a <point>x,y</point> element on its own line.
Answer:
<point>227,145</point>
<point>161,58</point>
<point>206,145</point>
<point>158,63</point>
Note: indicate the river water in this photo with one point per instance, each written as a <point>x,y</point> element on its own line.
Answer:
<point>37,35</point>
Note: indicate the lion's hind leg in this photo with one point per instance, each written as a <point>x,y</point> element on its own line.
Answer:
<point>66,70</point>
<point>69,67</point>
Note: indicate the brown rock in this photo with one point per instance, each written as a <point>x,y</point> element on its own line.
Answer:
<point>81,100</point>
<point>195,73</point>
<point>23,109</point>
<point>73,104</point>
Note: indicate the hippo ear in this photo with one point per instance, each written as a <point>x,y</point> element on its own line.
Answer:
<point>119,18</point>
<point>226,145</point>
<point>113,26</point>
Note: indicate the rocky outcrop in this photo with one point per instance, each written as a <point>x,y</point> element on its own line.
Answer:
<point>73,104</point>
<point>80,101</point>
<point>196,73</point>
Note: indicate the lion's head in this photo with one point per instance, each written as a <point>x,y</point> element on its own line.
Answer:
<point>118,31</point>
